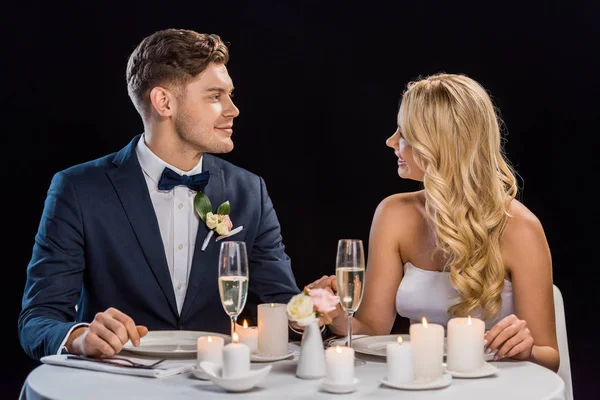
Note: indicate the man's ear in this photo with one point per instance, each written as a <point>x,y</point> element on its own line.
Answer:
<point>162,101</point>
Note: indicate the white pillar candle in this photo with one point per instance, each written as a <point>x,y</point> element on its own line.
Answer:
<point>399,362</point>
<point>340,364</point>
<point>273,334</point>
<point>427,346</point>
<point>465,344</point>
<point>210,348</point>
<point>248,335</point>
<point>236,359</point>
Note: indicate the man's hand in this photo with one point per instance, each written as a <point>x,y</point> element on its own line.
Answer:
<point>106,335</point>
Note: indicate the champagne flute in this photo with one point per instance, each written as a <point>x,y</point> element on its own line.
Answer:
<point>350,277</point>
<point>233,279</point>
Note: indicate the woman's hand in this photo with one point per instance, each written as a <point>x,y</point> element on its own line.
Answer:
<point>510,338</point>
<point>339,319</point>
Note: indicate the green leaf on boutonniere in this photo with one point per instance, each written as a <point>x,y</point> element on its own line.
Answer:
<point>202,205</point>
<point>224,208</point>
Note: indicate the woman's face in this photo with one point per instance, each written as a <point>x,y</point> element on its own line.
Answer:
<point>407,168</point>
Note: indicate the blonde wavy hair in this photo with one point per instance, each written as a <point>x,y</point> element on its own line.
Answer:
<point>454,130</point>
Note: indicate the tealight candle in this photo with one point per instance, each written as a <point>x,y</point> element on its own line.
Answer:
<point>465,344</point>
<point>273,333</point>
<point>236,359</point>
<point>340,364</point>
<point>399,362</point>
<point>210,348</point>
<point>427,346</point>
<point>248,335</point>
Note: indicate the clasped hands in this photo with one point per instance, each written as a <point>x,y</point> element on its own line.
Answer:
<point>510,337</point>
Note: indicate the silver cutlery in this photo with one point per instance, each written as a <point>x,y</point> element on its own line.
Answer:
<point>117,361</point>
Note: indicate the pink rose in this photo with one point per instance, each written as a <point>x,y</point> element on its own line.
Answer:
<point>225,219</point>
<point>323,300</point>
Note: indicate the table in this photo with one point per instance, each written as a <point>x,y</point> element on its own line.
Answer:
<point>516,380</point>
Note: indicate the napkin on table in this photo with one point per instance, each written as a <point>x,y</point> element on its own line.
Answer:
<point>167,368</point>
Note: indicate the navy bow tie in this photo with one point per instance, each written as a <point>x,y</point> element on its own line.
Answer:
<point>169,179</point>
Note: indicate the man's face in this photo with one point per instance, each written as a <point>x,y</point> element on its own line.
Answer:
<point>205,112</point>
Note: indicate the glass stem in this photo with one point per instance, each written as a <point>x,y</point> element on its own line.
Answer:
<point>233,324</point>
<point>350,329</point>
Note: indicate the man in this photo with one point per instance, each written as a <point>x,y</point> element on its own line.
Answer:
<point>119,249</point>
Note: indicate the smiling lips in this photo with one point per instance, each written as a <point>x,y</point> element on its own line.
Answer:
<point>401,162</point>
<point>226,128</point>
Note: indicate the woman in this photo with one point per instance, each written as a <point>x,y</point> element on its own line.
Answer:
<point>463,245</point>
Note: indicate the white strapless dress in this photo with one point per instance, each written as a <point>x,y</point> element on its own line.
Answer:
<point>429,294</point>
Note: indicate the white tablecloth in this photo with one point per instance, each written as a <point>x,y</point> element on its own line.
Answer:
<point>515,380</point>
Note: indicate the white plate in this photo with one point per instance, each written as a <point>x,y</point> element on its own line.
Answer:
<point>376,345</point>
<point>487,370</point>
<point>171,343</point>
<point>442,382</point>
<point>262,358</point>
<point>240,384</point>
<point>339,387</point>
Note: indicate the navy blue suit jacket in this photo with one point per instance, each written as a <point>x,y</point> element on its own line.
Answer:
<point>99,246</point>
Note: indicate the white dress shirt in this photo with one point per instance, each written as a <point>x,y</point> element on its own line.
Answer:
<point>177,221</point>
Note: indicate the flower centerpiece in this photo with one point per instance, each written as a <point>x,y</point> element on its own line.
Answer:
<point>311,305</point>
<point>307,309</point>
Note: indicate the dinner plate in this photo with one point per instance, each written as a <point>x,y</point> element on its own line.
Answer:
<point>171,343</point>
<point>377,345</point>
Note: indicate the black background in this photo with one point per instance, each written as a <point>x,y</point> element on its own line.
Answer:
<point>318,85</point>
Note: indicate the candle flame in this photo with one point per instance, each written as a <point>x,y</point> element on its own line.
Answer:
<point>245,324</point>
<point>272,305</point>
<point>210,339</point>
<point>400,340</point>
<point>469,321</point>
<point>236,338</point>
<point>424,320</point>
<point>338,349</point>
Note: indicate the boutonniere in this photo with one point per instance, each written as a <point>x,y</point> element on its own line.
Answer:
<point>219,222</point>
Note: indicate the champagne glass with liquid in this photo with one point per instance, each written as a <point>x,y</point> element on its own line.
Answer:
<point>233,279</point>
<point>350,276</point>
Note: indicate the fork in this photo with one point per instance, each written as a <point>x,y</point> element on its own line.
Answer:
<point>115,361</point>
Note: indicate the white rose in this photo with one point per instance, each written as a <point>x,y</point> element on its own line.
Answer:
<point>223,228</point>
<point>300,309</point>
<point>211,220</point>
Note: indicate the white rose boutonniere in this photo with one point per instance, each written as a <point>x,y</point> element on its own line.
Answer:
<point>219,222</point>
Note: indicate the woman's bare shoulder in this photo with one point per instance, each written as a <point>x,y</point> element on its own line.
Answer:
<point>403,204</point>
<point>524,236</point>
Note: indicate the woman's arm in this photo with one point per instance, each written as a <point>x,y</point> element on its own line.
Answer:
<point>527,258</point>
<point>377,311</point>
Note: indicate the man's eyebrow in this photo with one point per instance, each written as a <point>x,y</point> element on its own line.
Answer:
<point>217,89</point>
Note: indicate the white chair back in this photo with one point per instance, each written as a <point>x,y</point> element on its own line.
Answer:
<point>564,370</point>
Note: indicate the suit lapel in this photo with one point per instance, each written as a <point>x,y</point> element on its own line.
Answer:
<point>130,185</point>
<point>204,261</point>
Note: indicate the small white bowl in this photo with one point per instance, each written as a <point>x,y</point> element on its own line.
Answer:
<point>239,384</point>
<point>339,388</point>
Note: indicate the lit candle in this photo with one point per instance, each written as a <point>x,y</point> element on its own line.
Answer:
<point>399,362</point>
<point>210,348</point>
<point>465,344</point>
<point>272,330</point>
<point>248,335</point>
<point>236,359</point>
<point>427,347</point>
<point>340,364</point>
